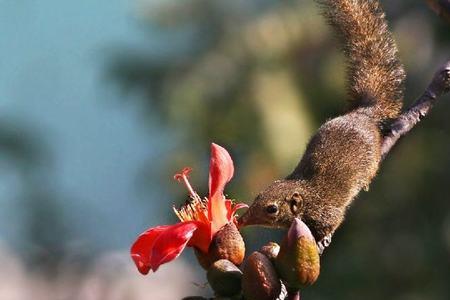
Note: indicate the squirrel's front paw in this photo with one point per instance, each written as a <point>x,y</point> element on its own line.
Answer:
<point>324,243</point>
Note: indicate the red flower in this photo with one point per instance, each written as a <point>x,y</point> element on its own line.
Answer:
<point>200,218</point>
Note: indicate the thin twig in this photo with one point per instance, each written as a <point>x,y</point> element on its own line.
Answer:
<point>441,7</point>
<point>293,296</point>
<point>419,110</point>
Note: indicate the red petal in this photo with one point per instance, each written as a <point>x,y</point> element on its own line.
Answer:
<point>202,237</point>
<point>141,249</point>
<point>229,207</point>
<point>238,206</point>
<point>171,242</point>
<point>232,208</point>
<point>221,171</point>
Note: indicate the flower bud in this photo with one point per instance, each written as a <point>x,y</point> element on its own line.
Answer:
<point>260,280</point>
<point>226,244</point>
<point>270,250</point>
<point>298,262</point>
<point>224,278</point>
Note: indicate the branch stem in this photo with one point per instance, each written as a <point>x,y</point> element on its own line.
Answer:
<point>439,86</point>
<point>293,296</point>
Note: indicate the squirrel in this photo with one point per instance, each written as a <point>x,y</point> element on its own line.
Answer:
<point>343,157</point>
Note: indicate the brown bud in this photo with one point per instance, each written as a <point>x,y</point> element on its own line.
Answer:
<point>226,244</point>
<point>224,278</point>
<point>260,280</point>
<point>298,262</point>
<point>270,250</point>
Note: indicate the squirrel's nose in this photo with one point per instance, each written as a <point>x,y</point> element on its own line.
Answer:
<point>241,220</point>
<point>244,219</point>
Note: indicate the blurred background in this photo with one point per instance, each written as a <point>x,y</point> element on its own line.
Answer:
<point>101,102</point>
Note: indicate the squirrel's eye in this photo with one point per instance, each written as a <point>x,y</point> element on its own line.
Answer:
<point>272,209</point>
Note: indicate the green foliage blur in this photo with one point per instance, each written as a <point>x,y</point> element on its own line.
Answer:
<point>259,77</point>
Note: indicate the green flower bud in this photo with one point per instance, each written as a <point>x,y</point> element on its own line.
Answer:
<point>224,278</point>
<point>298,262</point>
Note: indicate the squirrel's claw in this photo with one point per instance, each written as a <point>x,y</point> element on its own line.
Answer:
<point>324,243</point>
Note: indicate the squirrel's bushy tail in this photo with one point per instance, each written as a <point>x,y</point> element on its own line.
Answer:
<point>375,73</point>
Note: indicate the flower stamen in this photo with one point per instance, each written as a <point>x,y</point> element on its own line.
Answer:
<point>194,210</point>
<point>183,176</point>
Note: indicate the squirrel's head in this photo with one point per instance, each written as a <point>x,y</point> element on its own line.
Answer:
<point>276,206</point>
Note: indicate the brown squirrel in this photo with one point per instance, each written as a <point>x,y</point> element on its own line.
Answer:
<point>344,155</point>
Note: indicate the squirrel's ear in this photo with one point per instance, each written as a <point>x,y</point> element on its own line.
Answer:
<point>295,202</point>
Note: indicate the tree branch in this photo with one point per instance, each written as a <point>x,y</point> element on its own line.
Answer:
<point>293,296</point>
<point>441,7</point>
<point>419,110</point>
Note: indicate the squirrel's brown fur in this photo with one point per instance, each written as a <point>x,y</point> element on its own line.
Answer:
<point>375,73</point>
<point>343,156</point>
